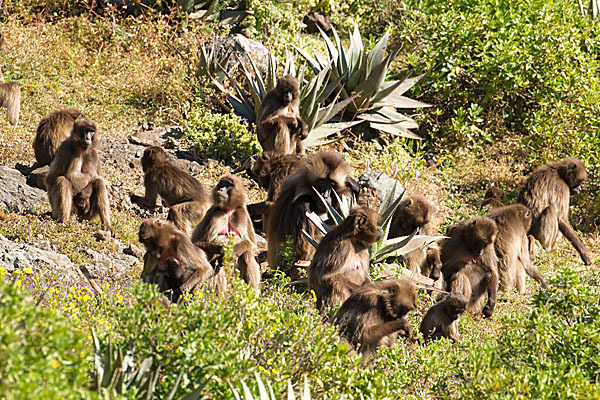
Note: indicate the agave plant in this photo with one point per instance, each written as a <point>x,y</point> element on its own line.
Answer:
<point>265,394</point>
<point>384,248</point>
<point>313,94</point>
<point>118,374</point>
<point>361,75</point>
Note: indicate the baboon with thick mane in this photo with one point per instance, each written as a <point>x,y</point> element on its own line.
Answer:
<point>52,130</point>
<point>326,172</point>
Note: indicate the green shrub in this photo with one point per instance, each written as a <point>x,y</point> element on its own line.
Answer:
<point>41,355</point>
<point>223,136</point>
<point>550,353</point>
<point>496,68</point>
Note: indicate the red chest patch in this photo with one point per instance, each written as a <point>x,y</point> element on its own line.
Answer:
<point>357,262</point>
<point>228,228</point>
<point>168,255</point>
<point>472,260</point>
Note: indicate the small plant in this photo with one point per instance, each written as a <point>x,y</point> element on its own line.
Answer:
<point>313,94</point>
<point>360,75</point>
<point>384,248</point>
<point>221,135</point>
<point>269,395</point>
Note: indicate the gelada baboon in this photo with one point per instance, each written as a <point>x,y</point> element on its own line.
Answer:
<point>10,98</point>
<point>469,262</point>
<point>270,169</point>
<point>171,260</point>
<point>52,130</point>
<point>76,169</point>
<point>341,262</point>
<point>279,127</point>
<point>442,318</point>
<point>375,314</point>
<point>494,198</point>
<point>546,193</point>
<point>185,195</point>
<point>512,247</point>
<point>228,216</point>
<point>414,212</point>
<point>326,172</point>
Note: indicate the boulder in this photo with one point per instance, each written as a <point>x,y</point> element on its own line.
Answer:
<point>380,183</point>
<point>242,47</point>
<point>16,195</point>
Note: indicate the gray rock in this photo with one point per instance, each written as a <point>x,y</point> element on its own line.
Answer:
<point>242,47</point>
<point>155,137</point>
<point>16,195</point>
<point>15,255</point>
<point>37,177</point>
<point>380,183</point>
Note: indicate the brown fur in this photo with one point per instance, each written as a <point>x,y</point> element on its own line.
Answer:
<point>469,262</point>
<point>414,212</point>
<point>279,127</point>
<point>494,198</point>
<point>76,169</point>
<point>270,169</point>
<point>341,262</point>
<point>171,260</point>
<point>512,247</point>
<point>173,184</point>
<point>230,195</point>
<point>546,193</point>
<point>186,216</point>
<point>374,315</point>
<point>10,98</point>
<point>442,318</point>
<point>52,130</point>
<point>326,171</point>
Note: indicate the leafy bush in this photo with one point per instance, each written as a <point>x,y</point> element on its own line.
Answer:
<point>551,353</point>
<point>41,355</point>
<point>223,136</point>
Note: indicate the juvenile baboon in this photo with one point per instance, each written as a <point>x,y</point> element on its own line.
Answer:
<point>414,212</point>
<point>10,98</point>
<point>171,260</point>
<point>494,197</point>
<point>228,216</point>
<point>185,195</point>
<point>76,169</point>
<point>374,315</point>
<point>341,262</point>
<point>512,246</point>
<point>162,177</point>
<point>52,130</point>
<point>442,318</point>
<point>546,193</point>
<point>326,172</point>
<point>469,262</point>
<point>279,127</point>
